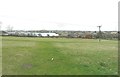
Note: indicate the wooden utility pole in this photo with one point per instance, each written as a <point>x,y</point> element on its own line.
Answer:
<point>99,33</point>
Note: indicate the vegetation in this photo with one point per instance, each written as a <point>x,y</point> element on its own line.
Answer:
<point>32,56</point>
<point>107,35</point>
<point>0,56</point>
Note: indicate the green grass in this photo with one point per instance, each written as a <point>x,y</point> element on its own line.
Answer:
<point>0,56</point>
<point>32,56</point>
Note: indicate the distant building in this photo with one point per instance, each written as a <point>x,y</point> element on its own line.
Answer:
<point>48,34</point>
<point>114,32</point>
<point>3,33</point>
<point>32,34</point>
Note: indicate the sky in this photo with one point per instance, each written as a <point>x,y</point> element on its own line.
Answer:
<point>84,15</point>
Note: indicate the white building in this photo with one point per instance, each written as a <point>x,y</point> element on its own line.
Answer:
<point>48,34</point>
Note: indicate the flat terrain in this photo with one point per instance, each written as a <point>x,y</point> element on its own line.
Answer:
<point>32,56</point>
<point>0,56</point>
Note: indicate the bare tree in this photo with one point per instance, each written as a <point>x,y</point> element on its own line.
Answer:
<point>9,28</point>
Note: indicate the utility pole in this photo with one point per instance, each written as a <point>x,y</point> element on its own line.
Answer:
<point>99,33</point>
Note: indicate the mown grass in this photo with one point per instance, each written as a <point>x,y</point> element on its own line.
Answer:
<point>0,56</point>
<point>32,56</point>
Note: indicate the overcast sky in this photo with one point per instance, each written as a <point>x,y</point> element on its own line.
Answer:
<point>59,14</point>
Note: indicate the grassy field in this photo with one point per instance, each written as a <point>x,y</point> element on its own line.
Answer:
<point>0,56</point>
<point>32,56</point>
